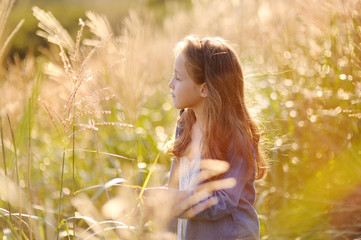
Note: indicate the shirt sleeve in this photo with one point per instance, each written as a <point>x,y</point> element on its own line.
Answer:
<point>228,199</point>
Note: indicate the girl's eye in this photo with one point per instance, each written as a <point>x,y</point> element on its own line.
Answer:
<point>175,77</point>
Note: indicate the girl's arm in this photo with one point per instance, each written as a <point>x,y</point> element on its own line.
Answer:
<point>226,199</point>
<point>176,203</point>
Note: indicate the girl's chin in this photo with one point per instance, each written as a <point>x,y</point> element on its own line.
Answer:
<point>175,104</point>
<point>177,107</point>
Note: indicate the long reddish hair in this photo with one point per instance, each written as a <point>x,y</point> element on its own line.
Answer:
<point>227,121</point>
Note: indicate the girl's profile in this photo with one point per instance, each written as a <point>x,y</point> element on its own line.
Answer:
<point>208,87</point>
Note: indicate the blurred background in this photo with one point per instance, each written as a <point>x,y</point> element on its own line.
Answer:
<point>86,114</point>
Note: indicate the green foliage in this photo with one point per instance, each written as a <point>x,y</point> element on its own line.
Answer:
<point>313,101</point>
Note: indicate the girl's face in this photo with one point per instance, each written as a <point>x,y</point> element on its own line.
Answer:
<point>185,92</point>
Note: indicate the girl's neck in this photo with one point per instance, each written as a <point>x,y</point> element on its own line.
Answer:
<point>199,113</point>
<point>194,148</point>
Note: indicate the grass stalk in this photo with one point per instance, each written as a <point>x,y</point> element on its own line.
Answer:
<point>73,128</point>
<point>101,170</point>
<point>2,50</point>
<point>29,171</point>
<point>10,225</point>
<point>73,179</point>
<point>61,192</point>
<point>146,181</point>
<point>145,184</point>
<point>100,161</point>
<point>17,176</point>
<point>4,161</point>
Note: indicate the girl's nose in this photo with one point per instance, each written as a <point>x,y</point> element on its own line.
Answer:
<point>170,84</point>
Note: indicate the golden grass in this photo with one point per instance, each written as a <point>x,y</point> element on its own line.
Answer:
<point>5,8</point>
<point>302,64</point>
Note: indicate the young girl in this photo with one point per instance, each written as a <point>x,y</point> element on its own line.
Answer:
<point>208,87</point>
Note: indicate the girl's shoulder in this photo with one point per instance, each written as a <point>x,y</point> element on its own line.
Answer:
<point>239,147</point>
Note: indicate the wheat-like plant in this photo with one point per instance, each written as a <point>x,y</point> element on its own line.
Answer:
<point>301,61</point>
<point>75,71</point>
<point>5,8</point>
<point>131,57</point>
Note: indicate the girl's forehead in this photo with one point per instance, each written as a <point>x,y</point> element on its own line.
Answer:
<point>179,62</point>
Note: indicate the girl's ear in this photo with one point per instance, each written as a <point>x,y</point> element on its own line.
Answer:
<point>204,91</point>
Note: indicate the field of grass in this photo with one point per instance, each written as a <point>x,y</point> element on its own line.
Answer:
<point>87,119</point>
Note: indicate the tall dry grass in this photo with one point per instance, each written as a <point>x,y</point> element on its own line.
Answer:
<point>5,8</point>
<point>13,75</point>
<point>302,69</point>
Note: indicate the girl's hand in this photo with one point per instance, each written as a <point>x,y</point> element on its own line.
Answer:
<point>200,198</point>
<point>164,204</point>
<point>158,204</point>
<point>164,198</point>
